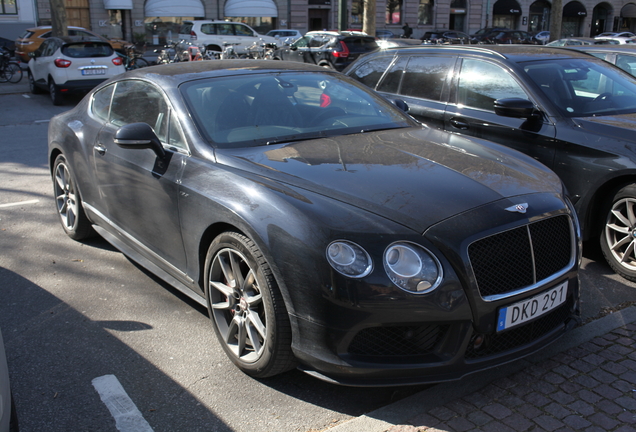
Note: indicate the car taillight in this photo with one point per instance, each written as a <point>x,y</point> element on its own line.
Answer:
<point>117,61</point>
<point>62,63</point>
<point>342,51</point>
<point>193,35</point>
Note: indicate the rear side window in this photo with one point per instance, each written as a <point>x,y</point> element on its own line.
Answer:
<point>87,50</point>
<point>209,29</point>
<point>425,77</point>
<point>101,102</point>
<point>370,72</point>
<point>27,34</point>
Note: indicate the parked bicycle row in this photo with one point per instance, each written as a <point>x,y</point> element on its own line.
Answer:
<point>179,51</point>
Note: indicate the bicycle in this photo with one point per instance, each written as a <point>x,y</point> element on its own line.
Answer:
<point>10,70</point>
<point>172,52</point>
<point>262,50</point>
<point>228,51</point>
<point>132,59</point>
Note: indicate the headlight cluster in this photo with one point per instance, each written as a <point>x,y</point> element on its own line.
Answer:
<point>408,265</point>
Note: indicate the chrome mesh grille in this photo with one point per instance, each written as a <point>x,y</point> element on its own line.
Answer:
<point>518,258</point>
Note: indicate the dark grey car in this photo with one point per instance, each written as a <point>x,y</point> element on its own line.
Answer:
<point>567,109</point>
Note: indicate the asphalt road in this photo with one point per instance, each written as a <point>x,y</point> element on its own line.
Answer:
<point>71,312</point>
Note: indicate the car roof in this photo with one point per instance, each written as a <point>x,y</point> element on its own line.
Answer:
<point>174,74</point>
<point>32,29</point>
<point>631,48</point>
<point>514,53</point>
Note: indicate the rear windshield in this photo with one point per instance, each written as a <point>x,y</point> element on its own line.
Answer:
<point>186,28</point>
<point>361,44</point>
<point>87,50</point>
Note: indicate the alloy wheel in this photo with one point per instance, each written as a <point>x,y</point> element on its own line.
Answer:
<point>620,232</point>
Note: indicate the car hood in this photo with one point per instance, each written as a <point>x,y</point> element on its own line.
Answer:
<point>413,176</point>
<point>619,126</point>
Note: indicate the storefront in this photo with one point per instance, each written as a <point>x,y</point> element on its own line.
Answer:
<point>574,14</point>
<point>505,13</point>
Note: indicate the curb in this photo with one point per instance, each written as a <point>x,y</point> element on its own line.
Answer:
<point>400,412</point>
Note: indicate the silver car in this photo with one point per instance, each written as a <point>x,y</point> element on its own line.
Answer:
<point>8,417</point>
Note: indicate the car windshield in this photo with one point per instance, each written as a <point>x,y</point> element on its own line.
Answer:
<point>584,87</point>
<point>262,109</point>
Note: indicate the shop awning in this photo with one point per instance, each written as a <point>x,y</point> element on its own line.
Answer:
<point>629,11</point>
<point>118,4</point>
<point>506,7</point>
<point>250,8</point>
<point>171,8</point>
<point>574,9</point>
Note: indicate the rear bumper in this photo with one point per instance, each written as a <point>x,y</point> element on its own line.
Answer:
<point>80,85</point>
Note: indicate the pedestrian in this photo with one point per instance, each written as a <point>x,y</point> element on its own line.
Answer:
<point>408,31</point>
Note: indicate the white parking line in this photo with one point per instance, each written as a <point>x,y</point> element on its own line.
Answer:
<point>19,203</point>
<point>127,417</point>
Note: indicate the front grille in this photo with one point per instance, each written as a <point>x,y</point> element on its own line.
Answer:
<point>522,335</point>
<point>397,340</point>
<point>521,257</point>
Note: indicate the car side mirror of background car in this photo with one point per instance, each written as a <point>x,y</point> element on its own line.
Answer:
<point>400,104</point>
<point>139,136</point>
<point>515,107</point>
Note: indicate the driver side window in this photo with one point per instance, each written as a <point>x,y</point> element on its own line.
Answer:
<point>481,83</point>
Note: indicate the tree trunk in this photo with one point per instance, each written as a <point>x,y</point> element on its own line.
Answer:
<point>556,16</point>
<point>59,23</point>
<point>368,17</point>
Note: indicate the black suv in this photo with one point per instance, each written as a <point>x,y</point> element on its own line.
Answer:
<point>569,110</point>
<point>334,50</point>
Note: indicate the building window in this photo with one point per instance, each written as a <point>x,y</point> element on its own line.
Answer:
<point>8,7</point>
<point>425,12</point>
<point>356,11</point>
<point>394,11</point>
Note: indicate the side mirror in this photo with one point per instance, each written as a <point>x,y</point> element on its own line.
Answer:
<point>515,107</point>
<point>139,136</point>
<point>400,104</point>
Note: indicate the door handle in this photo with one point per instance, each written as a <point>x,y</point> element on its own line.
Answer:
<point>458,124</point>
<point>100,149</point>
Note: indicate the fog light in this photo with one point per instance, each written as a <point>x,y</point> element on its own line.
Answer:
<point>478,341</point>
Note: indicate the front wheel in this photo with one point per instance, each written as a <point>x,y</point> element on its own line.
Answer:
<point>68,202</point>
<point>32,86</point>
<point>618,238</point>
<point>246,307</point>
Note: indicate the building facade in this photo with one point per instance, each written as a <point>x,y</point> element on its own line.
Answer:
<point>156,21</point>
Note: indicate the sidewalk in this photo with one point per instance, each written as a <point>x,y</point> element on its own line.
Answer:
<point>586,381</point>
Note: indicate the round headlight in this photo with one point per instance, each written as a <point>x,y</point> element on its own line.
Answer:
<point>412,268</point>
<point>349,259</point>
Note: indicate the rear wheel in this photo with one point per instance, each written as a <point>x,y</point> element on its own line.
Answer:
<point>32,86</point>
<point>246,307</point>
<point>16,72</point>
<point>138,62</point>
<point>618,238</point>
<point>5,74</point>
<point>68,202</point>
<point>56,96</point>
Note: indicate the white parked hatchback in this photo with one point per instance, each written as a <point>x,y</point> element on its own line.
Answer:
<point>68,64</point>
<point>213,35</point>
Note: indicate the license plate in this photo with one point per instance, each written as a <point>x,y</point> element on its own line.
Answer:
<point>96,71</point>
<point>531,308</point>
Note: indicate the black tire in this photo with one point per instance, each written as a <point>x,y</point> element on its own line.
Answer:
<point>618,237</point>
<point>56,95</point>
<point>5,74</point>
<point>13,419</point>
<point>16,71</point>
<point>246,307</point>
<point>32,86</point>
<point>326,64</point>
<point>137,63</point>
<point>69,203</point>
